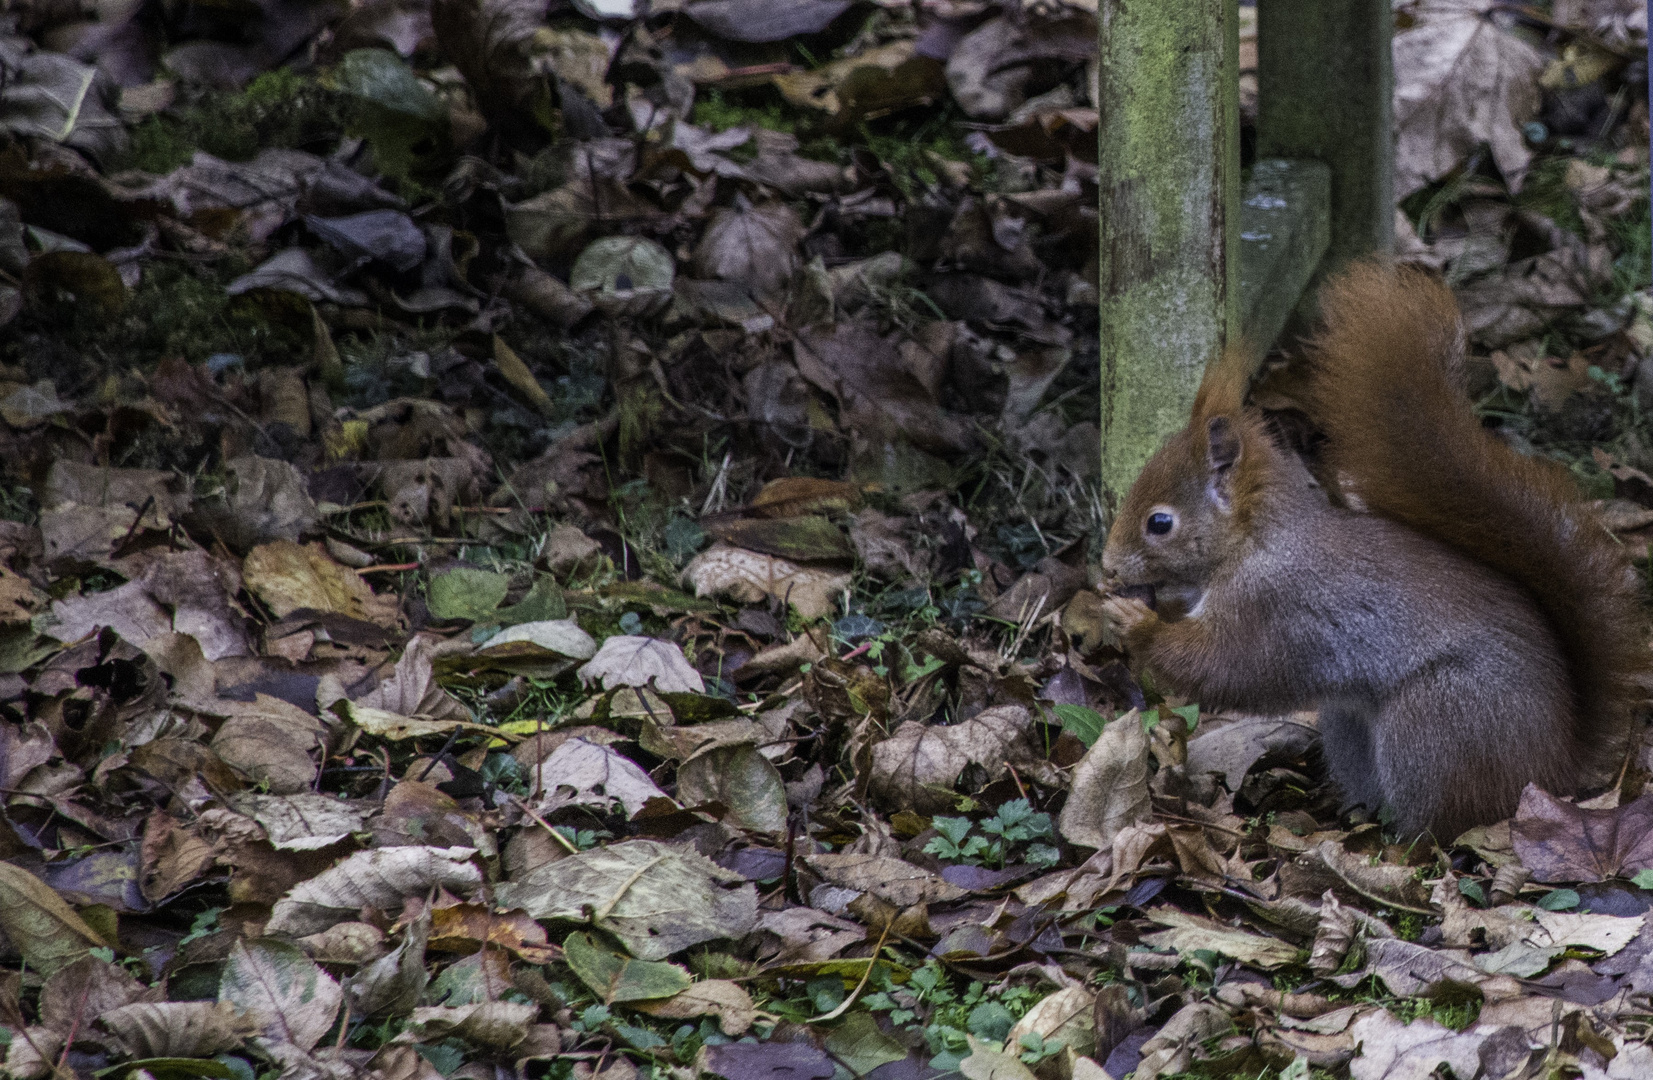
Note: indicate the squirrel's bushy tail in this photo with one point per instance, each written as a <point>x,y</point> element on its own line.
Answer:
<point>1404,441</point>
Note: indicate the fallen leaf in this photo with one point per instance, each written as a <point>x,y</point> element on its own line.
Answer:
<point>1231,748</point>
<point>1068,1016</point>
<point>465,928</point>
<point>915,768</point>
<point>1461,80</point>
<point>580,773</point>
<point>287,577</point>
<point>615,978</point>
<point>754,246</point>
<point>627,660</point>
<point>1393,1050</point>
<point>177,1029</point>
<point>467,593</point>
<point>281,991</point>
<point>728,1001</point>
<point>261,500</point>
<point>985,1063</point>
<point>767,1061</point>
<point>73,997</point>
<point>498,1025</point>
<point>655,898</point>
<point>390,985</point>
<point>750,577</point>
<point>522,380</point>
<point>742,779</point>
<point>270,741</point>
<point>758,20</point>
<point>895,880</point>
<point>1605,933</point>
<point>876,80</point>
<point>562,637</point>
<point>1192,933</point>
<point>1561,842</point>
<point>1110,785</point>
<point>624,274</point>
<point>380,878</point>
<point>302,822</point>
<point>1412,970</point>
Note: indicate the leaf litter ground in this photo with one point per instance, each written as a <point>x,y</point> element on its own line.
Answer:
<point>559,545</point>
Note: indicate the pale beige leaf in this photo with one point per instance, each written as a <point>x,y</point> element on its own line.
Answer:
<point>496,1024</point>
<point>281,991</point>
<point>177,1029</point>
<point>390,985</point>
<point>381,878</point>
<point>750,577</point>
<point>1606,933</point>
<point>412,689</point>
<point>728,1001</point>
<point>302,822</point>
<point>985,1063</point>
<point>915,768</point>
<point>270,741</point>
<point>1461,80</point>
<point>1393,1050</point>
<point>1191,933</point>
<point>561,636</point>
<point>895,880</point>
<point>1069,1015</point>
<point>579,773</point>
<point>1110,785</point>
<point>626,660</point>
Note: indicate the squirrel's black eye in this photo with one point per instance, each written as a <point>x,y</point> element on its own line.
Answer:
<point>1160,524</point>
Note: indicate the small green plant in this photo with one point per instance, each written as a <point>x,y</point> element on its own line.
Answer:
<point>1015,823</point>
<point>1034,1047</point>
<point>204,924</point>
<point>582,839</point>
<point>949,1016</point>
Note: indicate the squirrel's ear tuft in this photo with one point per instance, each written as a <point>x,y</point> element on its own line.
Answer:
<point>1222,443</point>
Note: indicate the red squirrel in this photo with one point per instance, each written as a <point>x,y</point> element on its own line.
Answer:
<point>1453,608</point>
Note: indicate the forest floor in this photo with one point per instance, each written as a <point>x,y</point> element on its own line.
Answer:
<point>560,544</point>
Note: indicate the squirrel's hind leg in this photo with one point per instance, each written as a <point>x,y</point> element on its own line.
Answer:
<point>1450,756</point>
<point>1346,741</point>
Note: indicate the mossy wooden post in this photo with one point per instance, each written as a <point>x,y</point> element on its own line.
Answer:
<point>1325,92</point>
<point>1169,177</point>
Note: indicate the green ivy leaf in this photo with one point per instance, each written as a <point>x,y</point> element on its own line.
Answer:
<point>1559,900</point>
<point>1082,723</point>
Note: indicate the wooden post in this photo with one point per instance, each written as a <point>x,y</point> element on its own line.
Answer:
<point>1325,91</point>
<point>1169,176</point>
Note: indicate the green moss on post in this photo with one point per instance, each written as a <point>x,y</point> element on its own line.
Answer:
<point>1169,179</point>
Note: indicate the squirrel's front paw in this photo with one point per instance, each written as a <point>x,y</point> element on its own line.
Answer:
<point>1128,617</point>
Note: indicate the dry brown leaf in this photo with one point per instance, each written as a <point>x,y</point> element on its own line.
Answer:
<point>749,577</point>
<point>755,246</point>
<point>915,768</point>
<point>626,660</point>
<point>177,1029</point>
<point>899,882</point>
<point>727,1001</point>
<point>380,878</point>
<point>579,773</point>
<point>1461,80</point>
<point>1110,785</point>
<point>288,576</point>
